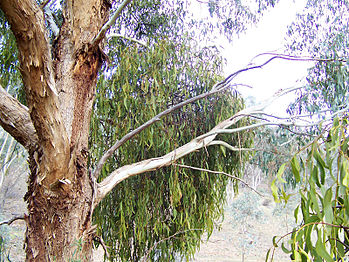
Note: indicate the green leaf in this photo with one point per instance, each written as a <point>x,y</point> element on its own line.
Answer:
<point>314,200</point>
<point>319,159</point>
<point>305,254</point>
<point>295,213</point>
<point>297,256</point>
<point>314,175</point>
<point>344,169</point>
<point>296,168</point>
<point>223,150</point>
<point>327,205</point>
<point>321,250</point>
<point>274,241</point>
<point>274,191</point>
<point>280,173</point>
<point>287,251</point>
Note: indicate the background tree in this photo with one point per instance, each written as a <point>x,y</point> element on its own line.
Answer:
<point>60,57</point>
<point>327,82</point>
<point>321,166</point>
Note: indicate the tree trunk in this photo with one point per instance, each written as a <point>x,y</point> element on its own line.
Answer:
<point>59,77</point>
<point>59,219</point>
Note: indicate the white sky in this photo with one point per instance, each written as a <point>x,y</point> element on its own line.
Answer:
<point>267,36</point>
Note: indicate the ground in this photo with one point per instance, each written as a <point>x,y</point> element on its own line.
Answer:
<point>249,225</point>
<point>246,233</point>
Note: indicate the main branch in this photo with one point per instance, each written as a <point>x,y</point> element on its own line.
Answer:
<point>15,119</point>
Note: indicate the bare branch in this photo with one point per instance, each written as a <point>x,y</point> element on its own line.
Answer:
<point>221,86</point>
<point>15,119</point>
<point>10,221</point>
<point>100,240</point>
<point>300,58</point>
<point>124,172</point>
<point>110,22</point>
<point>219,173</point>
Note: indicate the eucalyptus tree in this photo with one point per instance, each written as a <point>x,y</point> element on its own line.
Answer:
<point>71,69</point>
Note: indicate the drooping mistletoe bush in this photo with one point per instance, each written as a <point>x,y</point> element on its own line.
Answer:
<point>323,211</point>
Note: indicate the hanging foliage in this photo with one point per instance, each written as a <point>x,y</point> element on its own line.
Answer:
<point>162,215</point>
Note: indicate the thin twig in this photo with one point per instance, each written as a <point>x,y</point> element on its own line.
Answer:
<point>110,22</point>
<point>301,58</point>
<point>127,38</point>
<point>10,221</point>
<point>219,173</point>
<point>167,238</point>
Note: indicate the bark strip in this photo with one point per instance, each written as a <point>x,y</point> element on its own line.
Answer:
<point>27,23</point>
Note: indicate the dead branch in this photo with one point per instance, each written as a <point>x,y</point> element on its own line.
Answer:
<point>127,38</point>
<point>128,136</point>
<point>124,172</point>
<point>100,240</point>
<point>301,58</point>
<point>219,173</point>
<point>230,147</point>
